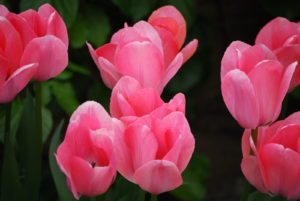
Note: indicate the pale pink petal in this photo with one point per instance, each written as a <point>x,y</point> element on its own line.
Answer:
<point>246,149</point>
<point>13,44</point>
<point>182,146</point>
<point>90,181</point>
<point>16,82</point>
<point>158,176</point>
<point>127,35</point>
<point>50,53</point>
<point>280,170</point>
<point>284,87</point>
<point>232,55</point>
<point>141,143</point>
<point>126,86</point>
<point>171,71</point>
<point>240,98</point>
<point>147,31</point>
<point>189,50</point>
<point>3,11</point>
<point>287,55</point>
<point>107,51</point>
<point>275,33</point>
<point>251,171</point>
<point>173,13</point>
<point>175,104</point>
<point>143,61</point>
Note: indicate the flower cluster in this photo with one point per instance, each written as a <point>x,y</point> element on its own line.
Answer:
<point>33,45</point>
<point>254,82</point>
<point>146,140</point>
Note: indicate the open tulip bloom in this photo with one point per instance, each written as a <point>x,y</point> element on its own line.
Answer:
<point>254,83</point>
<point>33,45</point>
<point>272,164</point>
<point>148,51</point>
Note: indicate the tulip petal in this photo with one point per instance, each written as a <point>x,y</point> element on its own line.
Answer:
<point>158,176</point>
<point>189,50</point>
<point>230,60</point>
<point>171,71</point>
<point>13,44</point>
<point>16,82</point>
<point>50,53</point>
<point>141,60</point>
<point>90,181</point>
<point>240,98</point>
<point>109,73</point>
<point>141,143</point>
<point>266,78</point>
<point>179,139</point>
<point>107,51</point>
<point>34,21</point>
<point>276,32</point>
<point>3,11</point>
<point>173,13</point>
<point>251,171</point>
<point>287,55</point>
<point>280,170</point>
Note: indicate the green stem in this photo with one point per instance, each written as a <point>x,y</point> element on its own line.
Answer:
<point>246,191</point>
<point>154,197</point>
<point>7,123</point>
<point>141,195</point>
<point>39,133</point>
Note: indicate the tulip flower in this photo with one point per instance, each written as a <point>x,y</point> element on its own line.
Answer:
<point>253,83</point>
<point>140,52</point>
<point>283,38</point>
<point>272,165</point>
<point>129,100</point>
<point>34,45</point>
<point>153,152</point>
<point>86,154</point>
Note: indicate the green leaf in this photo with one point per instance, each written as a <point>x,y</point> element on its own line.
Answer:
<point>194,176</point>
<point>65,96</point>
<point>47,123</point>
<point>32,4</point>
<point>65,75</point>
<point>258,196</point>
<point>67,9</point>
<point>78,32</point>
<point>78,69</point>
<point>58,177</point>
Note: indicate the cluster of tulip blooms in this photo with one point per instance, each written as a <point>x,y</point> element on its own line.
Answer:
<point>146,140</point>
<point>254,82</point>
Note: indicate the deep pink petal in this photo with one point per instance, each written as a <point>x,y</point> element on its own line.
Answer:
<point>50,53</point>
<point>189,50</point>
<point>21,25</point>
<point>232,56</point>
<point>171,71</point>
<point>143,61</point>
<point>107,51</point>
<point>158,176</point>
<point>16,82</point>
<point>12,46</point>
<point>34,21</point>
<point>173,13</point>
<point>240,98</point>
<point>266,79</point>
<point>275,33</point>
<point>287,55</point>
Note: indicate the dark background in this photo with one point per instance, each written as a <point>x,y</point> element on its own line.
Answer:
<point>214,173</point>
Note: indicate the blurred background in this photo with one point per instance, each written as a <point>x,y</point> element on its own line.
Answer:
<point>214,172</point>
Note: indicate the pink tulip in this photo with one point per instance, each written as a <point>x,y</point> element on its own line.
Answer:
<point>86,154</point>
<point>273,165</point>
<point>129,100</point>
<point>150,56</point>
<point>33,45</point>
<point>253,83</point>
<point>283,38</point>
<point>153,152</point>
